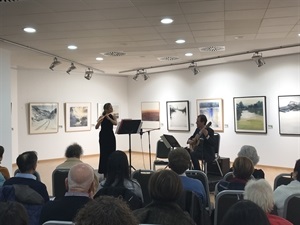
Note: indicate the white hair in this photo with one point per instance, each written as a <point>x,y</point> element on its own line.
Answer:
<point>250,152</point>
<point>80,177</point>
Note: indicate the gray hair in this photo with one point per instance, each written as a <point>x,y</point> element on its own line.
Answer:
<point>249,152</point>
<point>260,192</point>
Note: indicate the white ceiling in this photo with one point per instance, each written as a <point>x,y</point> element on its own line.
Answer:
<point>133,27</point>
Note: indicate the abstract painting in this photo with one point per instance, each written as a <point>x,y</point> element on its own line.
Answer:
<point>178,118</point>
<point>78,116</point>
<point>289,114</point>
<point>43,118</point>
<point>150,115</point>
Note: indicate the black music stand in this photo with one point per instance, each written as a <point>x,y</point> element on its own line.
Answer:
<point>128,126</point>
<point>170,141</point>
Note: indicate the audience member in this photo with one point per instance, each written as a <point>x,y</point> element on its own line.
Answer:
<point>3,170</point>
<point>245,212</point>
<point>27,163</point>
<point>81,188</point>
<point>282,192</point>
<point>118,174</point>
<point>242,171</point>
<point>105,210</point>
<point>260,192</point>
<point>165,188</point>
<point>179,162</point>
<point>250,152</point>
<point>13,213</point>
<point>73,154</point>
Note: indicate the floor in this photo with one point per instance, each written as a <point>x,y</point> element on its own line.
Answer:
<point>139,161</point>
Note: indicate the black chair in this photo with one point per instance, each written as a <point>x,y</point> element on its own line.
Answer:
<point>291,209</point>
<point>197,174</point>
<point>58,182</point>
<point>283,178</point>
<point>162,152</point>
<point>224,200</point>
<point>35,173</point>
<point>142,176</point>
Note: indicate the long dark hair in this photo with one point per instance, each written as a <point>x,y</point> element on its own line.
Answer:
<point>117,169</point>
<point>105,107</point>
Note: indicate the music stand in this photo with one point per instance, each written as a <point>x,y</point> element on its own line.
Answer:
<point>129,126</point>
<point>170,141</point>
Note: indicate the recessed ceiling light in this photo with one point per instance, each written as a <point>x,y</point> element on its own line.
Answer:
<point>29,30</point>
<point>166,21</point>
<point>72,47</point>
<point>188,54</point>
<point>180,41</point>
<point>99,58</point>
<point>238,37</point>
<point>299,35</point>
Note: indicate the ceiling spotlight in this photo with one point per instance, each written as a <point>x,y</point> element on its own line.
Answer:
<point>145,74</point>
<point>72,67</point>
<point>193,66</point>
<point>258,59</point>
<point>136,75</point>
<point>54,63</point>
<point>88,74</point>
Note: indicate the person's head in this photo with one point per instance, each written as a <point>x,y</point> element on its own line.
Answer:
<point>27,162</point>
<point>81,178</point>
<point>243,168</point>
<point>245,212</point>
<point>201,121</point>
<point>296,172</point>
<point>105,210</point>
<point>260,192</point>
<point>250,152</point>
<point>13,213</point>
<point>179,160</point>
<point>1,152</point>
<point>165,185</point>
<point>74,151</point>
<point>107,108</point>
<point>117,168</point>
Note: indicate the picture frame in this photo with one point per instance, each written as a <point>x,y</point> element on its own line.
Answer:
<point>150,115</point>
<point>289,114</point>
<point>116,110</point>
<point>78,116</point>
<point>43,117</point>
<point>213,110</point>
<point>250,114</point>
<point>178,116</point>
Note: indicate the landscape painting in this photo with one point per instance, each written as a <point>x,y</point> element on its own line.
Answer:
<point>178,118</point>
<point>116,110</point>
<point>43,118</point>
<point>150,115</point>
<point>289,114</point>
<point>78,116</point>
<point>250,114</point>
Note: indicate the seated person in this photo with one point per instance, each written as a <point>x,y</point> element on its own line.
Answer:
<point>250,152</point>
<point>202,143</point>
<point>3,170</point>
<point>242,171</point>
<point>282,192</point>
<point>81,189</point>
<point>260,192</point>
<point>179,162</point>
<point>165,188</point>
<point>245,212</point>
<point>105,210</point>
<point>13,213</point>
<point>73,154</point>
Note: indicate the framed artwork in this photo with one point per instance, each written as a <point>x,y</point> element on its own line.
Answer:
<point>289,114</point>
<point>250,114</point>
<point>150,115</point>
<point>178,118</point>
<point>78,117</point>
<point>116,110</point>
<point>213,110</point>
<point>43,118</point>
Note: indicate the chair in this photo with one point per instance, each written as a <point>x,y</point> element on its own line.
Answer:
<point>291,209</point>
<point>162,152</point>
<point>142,176</point>
<point>283,178</point>
<point>57,222</point>
<point>197,174</point>
<point>224,200</point>
<point>58,182</point>
<point>35,173</point>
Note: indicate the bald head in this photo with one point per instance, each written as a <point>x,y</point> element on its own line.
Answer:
<point>81,178</point>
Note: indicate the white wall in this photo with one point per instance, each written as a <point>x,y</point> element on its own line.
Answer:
<point>280,76</point>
